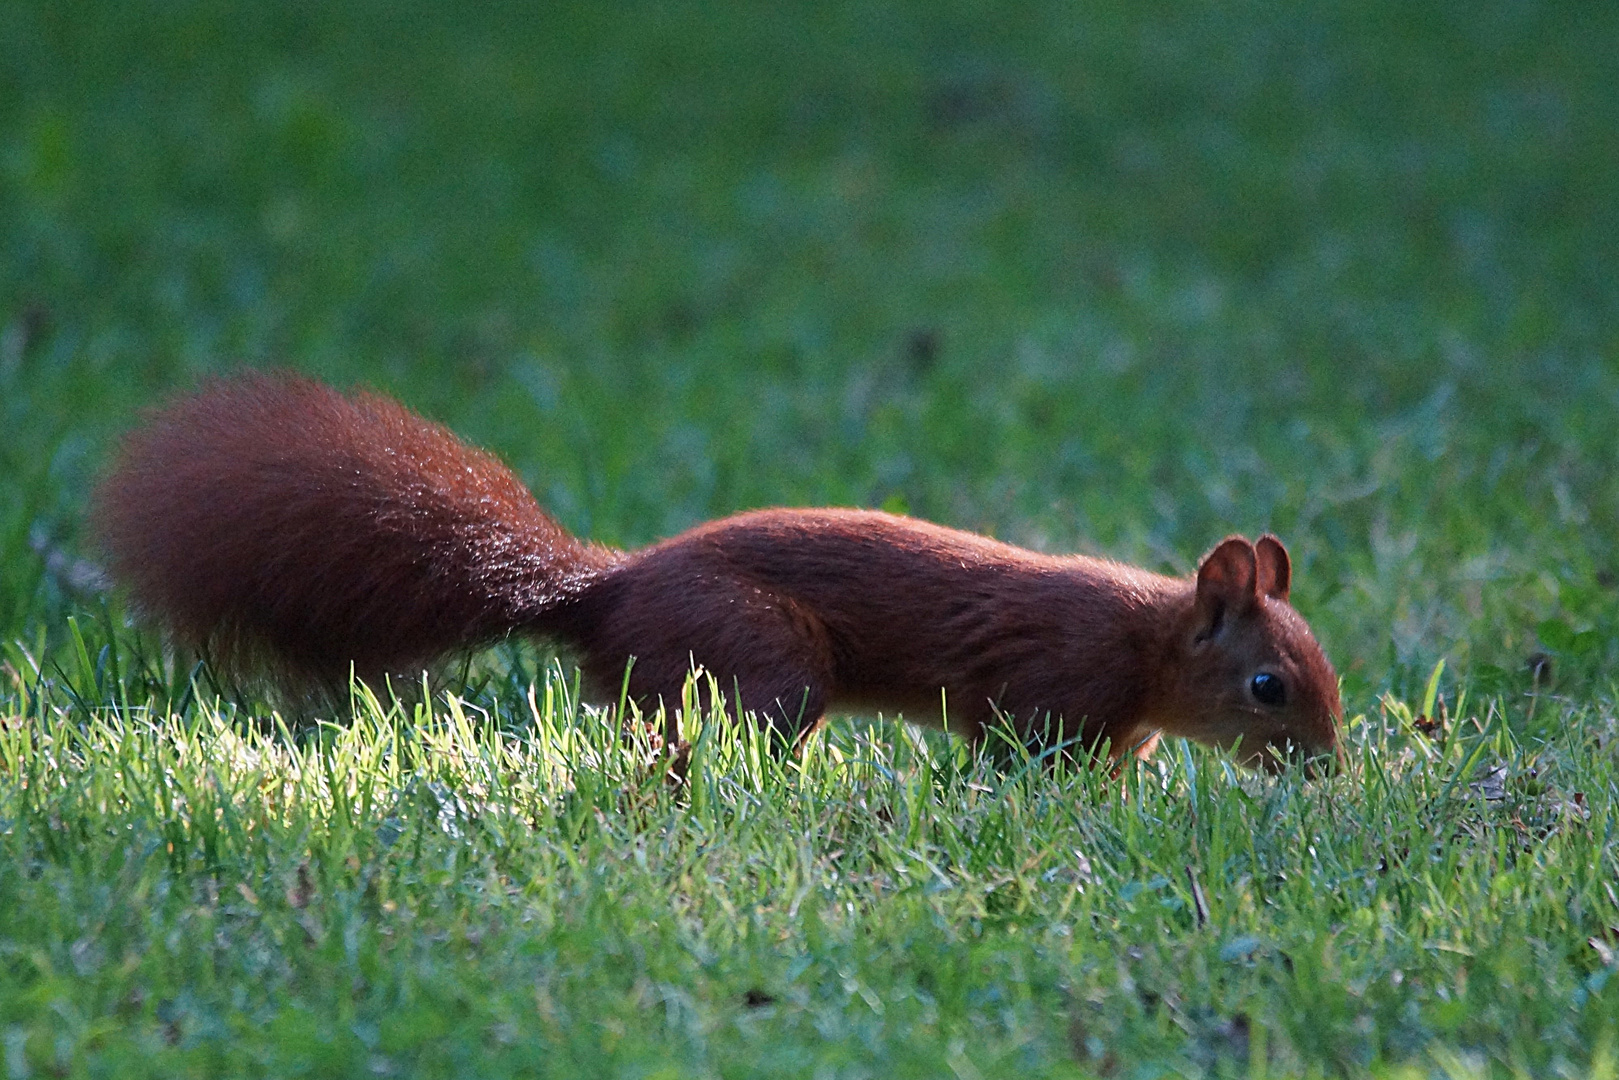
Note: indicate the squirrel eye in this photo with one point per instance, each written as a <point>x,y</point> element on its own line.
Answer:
<point>1268,689</point>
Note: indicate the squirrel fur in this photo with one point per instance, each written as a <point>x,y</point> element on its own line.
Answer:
<point>293,530</point>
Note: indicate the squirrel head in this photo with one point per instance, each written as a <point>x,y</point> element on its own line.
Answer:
<point>1249,673</point>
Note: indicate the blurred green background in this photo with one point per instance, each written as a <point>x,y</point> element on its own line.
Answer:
<point>1109,277</point>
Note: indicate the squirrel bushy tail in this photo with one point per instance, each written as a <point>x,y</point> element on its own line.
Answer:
<point>283,526</point>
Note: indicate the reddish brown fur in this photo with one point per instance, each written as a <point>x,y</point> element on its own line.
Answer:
<point>283,524</point>
<point>286,525</point>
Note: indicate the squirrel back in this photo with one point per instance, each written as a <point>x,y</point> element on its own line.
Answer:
<point>285,527</point>
<point>800,612</point>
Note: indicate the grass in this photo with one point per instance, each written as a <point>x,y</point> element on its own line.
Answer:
<point>1112,278</point>
<point>425,892</point>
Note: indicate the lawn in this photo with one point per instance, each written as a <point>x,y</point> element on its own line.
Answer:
<point>1112,278</point>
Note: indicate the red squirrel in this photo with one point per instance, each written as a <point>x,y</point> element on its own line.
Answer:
<point>291,529</point>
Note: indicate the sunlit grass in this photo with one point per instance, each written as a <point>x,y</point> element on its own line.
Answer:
<point>417,889</point>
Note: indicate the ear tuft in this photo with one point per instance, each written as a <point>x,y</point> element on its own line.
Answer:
<point>1227,580</point>
<point>1275,569</point>
<point>1230,570</point>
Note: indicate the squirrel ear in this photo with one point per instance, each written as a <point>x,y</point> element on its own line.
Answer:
<point>1275,570</point>
<point>1227,579</point>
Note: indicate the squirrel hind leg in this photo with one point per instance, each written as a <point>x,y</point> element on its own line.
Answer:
<point>786,702</point>
<point>763,654</point>
<point>788,709</point>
